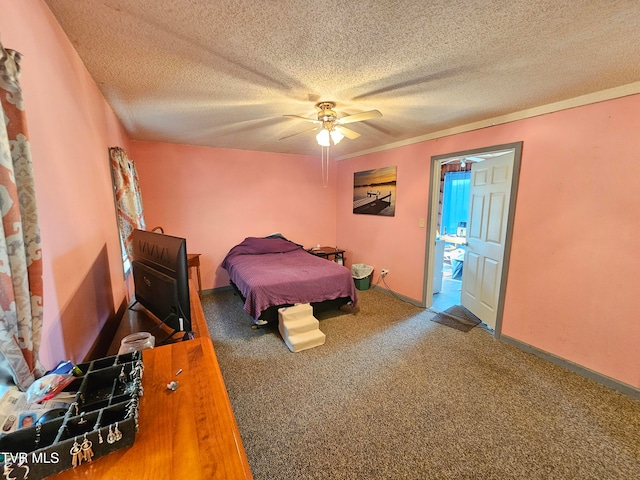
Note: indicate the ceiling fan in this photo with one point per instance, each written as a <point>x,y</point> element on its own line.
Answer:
<point>331,126</point>
<point>474,159</point>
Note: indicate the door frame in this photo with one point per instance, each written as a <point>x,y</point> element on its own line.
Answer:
<point>432,221</point>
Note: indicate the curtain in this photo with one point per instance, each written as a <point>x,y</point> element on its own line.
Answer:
<point>446,168</point>
<point>21,285</point>
<point>455,202</point>
<point>128,197</point>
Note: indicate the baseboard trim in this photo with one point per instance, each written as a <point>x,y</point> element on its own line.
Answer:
<point>574,367</point>
<point>217,289</point>
<point>399,296</point>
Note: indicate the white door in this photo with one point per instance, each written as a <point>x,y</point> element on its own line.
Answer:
<point>489,198</point>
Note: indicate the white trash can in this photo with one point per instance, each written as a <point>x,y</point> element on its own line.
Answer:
<point>361,273</point>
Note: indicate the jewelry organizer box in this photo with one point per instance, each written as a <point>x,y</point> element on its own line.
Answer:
<point>102,419</point>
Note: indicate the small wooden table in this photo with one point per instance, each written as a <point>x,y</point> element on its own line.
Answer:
<point>193,260</point>
<point>327,252</point>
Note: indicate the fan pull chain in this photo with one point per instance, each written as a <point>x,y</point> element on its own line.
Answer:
<point>325,166</point>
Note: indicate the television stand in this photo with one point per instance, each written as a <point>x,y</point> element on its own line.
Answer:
<point>187,433</point>
<point>161,324</point>
<point>187,336</point>
<point>140,320</point>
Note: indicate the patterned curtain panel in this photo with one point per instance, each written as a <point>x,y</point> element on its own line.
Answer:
<point>20,249</point>
<point>128,196</point>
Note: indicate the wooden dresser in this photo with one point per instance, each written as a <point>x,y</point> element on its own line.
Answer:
<point>188,433</point>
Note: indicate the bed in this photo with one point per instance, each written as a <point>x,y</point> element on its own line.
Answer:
<point>273,272</point>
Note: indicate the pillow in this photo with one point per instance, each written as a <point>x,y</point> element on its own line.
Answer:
<point>279,235</point>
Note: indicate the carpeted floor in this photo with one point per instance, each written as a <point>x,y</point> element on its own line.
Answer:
<point>392,395</point>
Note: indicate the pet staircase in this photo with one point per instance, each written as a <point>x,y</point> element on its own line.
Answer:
<point>300,330</point>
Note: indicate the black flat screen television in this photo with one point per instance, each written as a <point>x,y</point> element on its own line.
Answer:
<point>161,278</point>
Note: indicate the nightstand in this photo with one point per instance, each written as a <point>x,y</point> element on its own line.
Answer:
<point>330,253</point>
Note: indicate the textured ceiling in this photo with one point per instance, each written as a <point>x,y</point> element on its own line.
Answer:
<point>223,73</point>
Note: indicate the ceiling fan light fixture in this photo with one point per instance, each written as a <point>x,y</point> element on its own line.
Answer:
<point>331,127</point>
<point>323,138</point>
<point>336,136</point>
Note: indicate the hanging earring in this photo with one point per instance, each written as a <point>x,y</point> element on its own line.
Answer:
<point>38,430</point>
<point>87,452</point>
<point>117,433</point>
<point>122,377</point>
<point>100,440</point>
<point>76,454</point>
<point>111,438</point>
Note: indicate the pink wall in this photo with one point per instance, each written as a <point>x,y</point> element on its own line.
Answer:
<point>70,128</point>
<point>217,197</point>
<point>395,243</point>
<point>571,282</point>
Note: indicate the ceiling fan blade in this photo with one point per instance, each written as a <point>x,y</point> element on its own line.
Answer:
<point>347,132</point>
<point>358,117</point>
<point>485,156</point>
<point>450,160</point>
<point>497,154</point>
<point>300,133</point>
<point>298,117</point>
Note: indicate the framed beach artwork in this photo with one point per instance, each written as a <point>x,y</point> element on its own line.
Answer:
<point>374,192</point>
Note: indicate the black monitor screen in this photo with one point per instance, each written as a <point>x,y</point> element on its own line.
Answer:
<point>161,277</point>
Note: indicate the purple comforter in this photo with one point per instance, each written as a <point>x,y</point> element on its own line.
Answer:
<point>272,271</point>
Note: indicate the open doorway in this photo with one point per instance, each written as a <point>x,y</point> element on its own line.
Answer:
<point>453,213</point>
<point>471,210</point>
